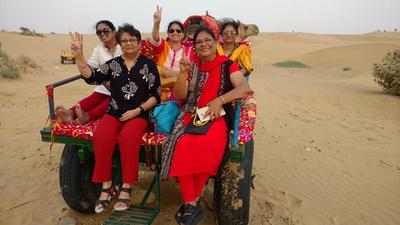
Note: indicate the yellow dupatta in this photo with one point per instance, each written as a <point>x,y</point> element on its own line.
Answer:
<point>241,56</point>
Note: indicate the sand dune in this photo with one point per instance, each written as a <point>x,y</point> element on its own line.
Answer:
<point>326,148</point>
<point>361,57</point>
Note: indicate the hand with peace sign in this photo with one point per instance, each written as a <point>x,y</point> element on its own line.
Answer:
<point>77,51</point>
<point>184,64</point>
<point>76,44</point>
<point>157,15</point>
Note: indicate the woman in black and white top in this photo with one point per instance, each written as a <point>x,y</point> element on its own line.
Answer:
<point>135,89</point>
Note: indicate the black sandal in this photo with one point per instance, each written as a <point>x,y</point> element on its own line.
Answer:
<point>179,213</point>
<point>126,201</point>
<point>192,215</point>
<point>106,202</point>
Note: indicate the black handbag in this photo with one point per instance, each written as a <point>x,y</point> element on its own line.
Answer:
<point>196,126</point>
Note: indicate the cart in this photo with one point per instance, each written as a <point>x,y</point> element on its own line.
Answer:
<point>231,186</point>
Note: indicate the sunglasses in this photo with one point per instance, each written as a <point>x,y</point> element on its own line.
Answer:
<point>104,31</point>
<point>232,33</point>
<point>174,30</point>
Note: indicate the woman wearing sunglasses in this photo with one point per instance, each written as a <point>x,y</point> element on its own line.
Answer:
<point>95,105</point>
<point>169,52</point>
<point>238,52</point>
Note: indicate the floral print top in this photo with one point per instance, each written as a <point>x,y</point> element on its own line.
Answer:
<point>129,89</point>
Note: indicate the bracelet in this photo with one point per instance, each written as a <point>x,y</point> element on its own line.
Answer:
<point>141,109</point>
<point>222,99</point>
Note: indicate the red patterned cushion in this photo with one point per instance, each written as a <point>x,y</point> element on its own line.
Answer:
<point>246,126</point>
<point>248,112</point>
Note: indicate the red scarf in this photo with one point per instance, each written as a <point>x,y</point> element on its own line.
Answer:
<point>212,85</point>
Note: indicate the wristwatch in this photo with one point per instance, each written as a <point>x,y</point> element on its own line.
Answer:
<point>141,109</point>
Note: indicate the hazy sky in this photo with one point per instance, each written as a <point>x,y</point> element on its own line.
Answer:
<point>317,16</point>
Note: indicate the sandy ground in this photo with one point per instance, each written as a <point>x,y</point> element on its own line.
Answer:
<point>326,141</point>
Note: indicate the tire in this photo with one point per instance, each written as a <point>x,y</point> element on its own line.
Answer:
<point>62,60</point>
<point>232,190</point>
<point>74,61</point>
<point>75,180</point>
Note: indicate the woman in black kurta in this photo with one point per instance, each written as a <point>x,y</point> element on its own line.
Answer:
<point>135,88</point>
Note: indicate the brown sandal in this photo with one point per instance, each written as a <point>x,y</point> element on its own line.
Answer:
<point>106,202</point>
<point>125,201</point>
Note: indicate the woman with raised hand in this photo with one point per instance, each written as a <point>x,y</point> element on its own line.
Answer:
<point>95,105</point>
<point>135,89</point>
<point>238,52</point>
<point>213,81</point>
<point>169,52</point>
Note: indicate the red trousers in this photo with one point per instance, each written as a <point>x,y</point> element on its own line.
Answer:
<point>192,185</point>
<point>95,105</point>
<point>129,137</point>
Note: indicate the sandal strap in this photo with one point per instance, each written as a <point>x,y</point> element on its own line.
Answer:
<point>109,190</point>
<point>127,190</point>
<point>103,203</point>
<point>188,209</point>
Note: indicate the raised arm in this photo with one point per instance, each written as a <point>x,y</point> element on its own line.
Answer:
<point>76,49</point>
<point>156,26</point>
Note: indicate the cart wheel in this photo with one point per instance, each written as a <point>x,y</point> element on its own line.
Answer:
<point>73,61</point>
<point>232,190</point>
<point>75,180</point>
<point>62,60</point>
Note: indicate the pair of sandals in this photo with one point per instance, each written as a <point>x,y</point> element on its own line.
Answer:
<point>121,204</point>
<point>188,214</point>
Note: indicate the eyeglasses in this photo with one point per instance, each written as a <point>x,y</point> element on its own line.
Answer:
<point>104,31</point>
<point>205,41</point>
<point>232,33</point>
<point>132,41</point>
<point>174,30</point>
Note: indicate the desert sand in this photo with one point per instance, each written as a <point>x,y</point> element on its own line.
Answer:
<point>326,140</point>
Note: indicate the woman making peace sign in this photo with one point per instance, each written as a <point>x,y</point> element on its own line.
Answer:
<point>135,89</point>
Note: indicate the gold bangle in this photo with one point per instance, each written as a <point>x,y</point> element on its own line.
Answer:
<point>222,99</point>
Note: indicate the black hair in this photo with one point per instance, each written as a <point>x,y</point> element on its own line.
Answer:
<point>234,24</point>
<point>203,29</point>
<point>106,22</point>
<point>175,22</point>
<point>127,28</point>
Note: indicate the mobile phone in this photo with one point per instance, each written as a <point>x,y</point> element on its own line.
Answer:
<point>202,111</point>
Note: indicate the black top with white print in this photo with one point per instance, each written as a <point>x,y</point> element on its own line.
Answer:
<point>129,89</point>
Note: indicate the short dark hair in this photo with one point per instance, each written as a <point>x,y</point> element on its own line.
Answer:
<point>106,22</point>
<point>127,28</point>
<point>177,22</point>
<point>232,23</point>
<point>203,29</point>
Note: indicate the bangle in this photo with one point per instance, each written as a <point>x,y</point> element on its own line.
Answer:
<point>222,99</point>
<point>141,109</point>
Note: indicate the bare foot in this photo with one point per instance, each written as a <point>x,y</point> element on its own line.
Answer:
<point>64,114</point>
<point>83,117</point>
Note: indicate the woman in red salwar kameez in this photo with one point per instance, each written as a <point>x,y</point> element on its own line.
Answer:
<point>194,158</point>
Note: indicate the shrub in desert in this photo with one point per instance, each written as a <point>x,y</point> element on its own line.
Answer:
<point>26,61</point>
<point>291,64</point>
<point>387,74</point>
<point>8,68</point>
<point>27,32</point>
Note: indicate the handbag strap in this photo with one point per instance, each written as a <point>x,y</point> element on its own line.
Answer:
<point>196,87</point>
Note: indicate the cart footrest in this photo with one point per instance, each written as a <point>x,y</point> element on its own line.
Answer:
<point>135,215</point>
